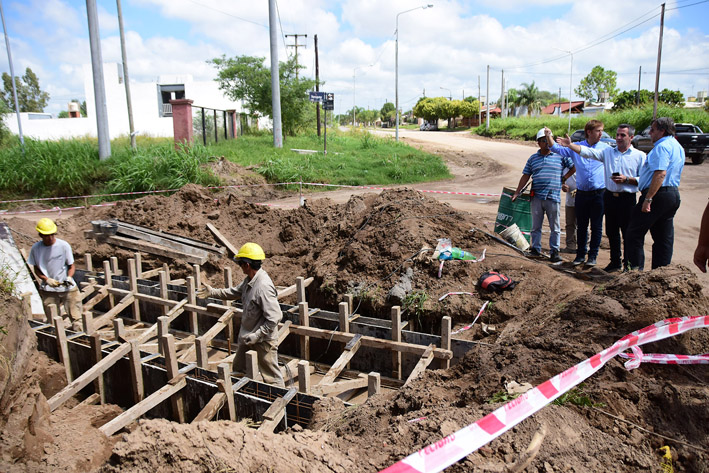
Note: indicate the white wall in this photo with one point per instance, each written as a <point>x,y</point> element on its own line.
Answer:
<point>145,101</point>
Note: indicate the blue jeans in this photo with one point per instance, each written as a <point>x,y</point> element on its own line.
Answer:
<point>589,210</point>
<point>539,207</point>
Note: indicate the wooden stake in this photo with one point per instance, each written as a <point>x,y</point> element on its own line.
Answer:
<point>108,282</point>
<point>304,319</point>
<point>63,346</point>
<point>272,417</point>
<point>114,265</point>
<point>350,302</point>
<point>445,340</point>
<point>349,352</point>
<point>304,376</point>
<point>300,289</point>
<point>375,384</point>
<point>95,342</point>
<point>225,377</point>
<point>163,279</point>
<point>119,331</point>
<point>197,276</point>
<point>136,372</point>
<point>422,364</point>
<point>211,408</point>
<point>227,277</point>
<point>138,265</point>
<point>133,281</point>
<point>89,262</point>
<point>396,337</point>
<point>192,299</point>
<point>252,365</point>
<point>166,268</point>
<point>87,321</point>
<point>178,406</point>
<point>202,355</point>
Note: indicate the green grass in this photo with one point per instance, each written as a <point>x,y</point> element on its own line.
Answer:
<point>525,128</point>
<point>72,167</point>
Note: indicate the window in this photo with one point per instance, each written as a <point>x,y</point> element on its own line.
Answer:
<point>167,93</point>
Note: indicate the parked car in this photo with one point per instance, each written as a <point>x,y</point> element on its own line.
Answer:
<point>429,126</point>
<point>691,137</point>
<point>580,135</point>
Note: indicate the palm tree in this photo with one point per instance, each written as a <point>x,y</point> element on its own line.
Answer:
<point>529,96</point>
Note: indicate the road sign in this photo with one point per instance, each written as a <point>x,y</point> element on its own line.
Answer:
<point>329,101</point>
<point>316,96</point>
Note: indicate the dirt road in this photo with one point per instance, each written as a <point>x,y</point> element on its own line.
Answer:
<point>481,165</point>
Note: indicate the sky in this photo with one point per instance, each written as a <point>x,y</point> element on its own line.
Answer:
<point>443,50</point>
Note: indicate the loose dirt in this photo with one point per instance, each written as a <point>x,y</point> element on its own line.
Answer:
<point>554,318</point>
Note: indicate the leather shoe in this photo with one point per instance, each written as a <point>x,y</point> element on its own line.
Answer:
<point>612,268</point>
<point>579,260</point>
<point>554,257</point>
<point>535,253</point>
<point>591,262</point>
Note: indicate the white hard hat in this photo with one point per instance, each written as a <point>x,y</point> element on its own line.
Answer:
<point>540,134</point>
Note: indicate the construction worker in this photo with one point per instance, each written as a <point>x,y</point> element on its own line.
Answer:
<point>261,313</point>
<point>53,263</point>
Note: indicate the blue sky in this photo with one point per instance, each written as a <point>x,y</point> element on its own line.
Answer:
<point>442,50</point>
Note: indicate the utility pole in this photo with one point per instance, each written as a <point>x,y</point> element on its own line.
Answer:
<point>659,59</point>
<point>125,75</point>
<point>502,96</point>
<point>275,81</point>
<point>104,139</point>
<point>12,74</point>
<point>296,46</point>
<point>559,107</point>
<point>487,100</point>
<point>637,96</point>
<point>317,85</point>
<point>480,104</point>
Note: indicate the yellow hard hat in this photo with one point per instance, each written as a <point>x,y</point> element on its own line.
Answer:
<point>46,226</point>
<point>251,251</point>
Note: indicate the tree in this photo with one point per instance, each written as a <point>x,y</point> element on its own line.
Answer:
<point>529,97</point>
<point>30,96</point>
<point>247,78</point>
<point>425,108</point>
<point>628,98</point>
<point>597,81</point>
<point>388,112</point>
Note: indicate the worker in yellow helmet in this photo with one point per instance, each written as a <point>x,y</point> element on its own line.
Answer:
<point>53,263</point>
<point>261,313</point>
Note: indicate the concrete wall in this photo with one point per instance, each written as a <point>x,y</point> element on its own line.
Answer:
<point>145,101</point>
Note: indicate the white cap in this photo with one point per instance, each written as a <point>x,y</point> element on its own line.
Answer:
<point>540,134</point>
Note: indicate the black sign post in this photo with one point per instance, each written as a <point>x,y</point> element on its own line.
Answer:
<point>328,104</point>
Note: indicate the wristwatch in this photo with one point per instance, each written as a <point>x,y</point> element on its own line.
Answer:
<point>648,199</point>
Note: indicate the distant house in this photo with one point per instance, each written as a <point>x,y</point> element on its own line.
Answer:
<point>152,111</point>
<point>557,108</point>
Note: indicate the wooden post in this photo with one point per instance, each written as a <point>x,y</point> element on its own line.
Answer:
<point>133,281</point>
<point>53,312</point>
<point>252,365</point>
<point>304,376</point>
<point>178,406</point>
<point>350,302</point>
<point>227,277</point>
<point>138,265</point>
<point>166,268</point>
<point>87,320</point>
<point>225,377</point>
<point>445,340</point>
<point>304,320</point>
<point>202,353</point>
<point>197,276</point>
<point>119,330</point>
<point>300,289</point>
<point>192,299</point>
<point>374,384</point>
<point>108,280</point>
<point>89,262</point>
<point>114,265</point>
<point>96,355</point>
<point>344,317</point>
<point>136,372</point>
<point>163,278</point>
<point>396,337</point>
<point>163,329</point>
<point>63,347</point>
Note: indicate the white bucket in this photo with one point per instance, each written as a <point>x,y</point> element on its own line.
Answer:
<point>514,236</point>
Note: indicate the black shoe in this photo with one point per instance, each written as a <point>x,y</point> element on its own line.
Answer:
<point>554,257</point>
<point>612,268</point>
<point>591,261</point>
<point>569,250</point>
<point>579,260</point>
<point>535,253</point>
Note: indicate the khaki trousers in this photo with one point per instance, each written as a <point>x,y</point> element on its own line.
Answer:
<point>267,355</point>
<point>70,301</point>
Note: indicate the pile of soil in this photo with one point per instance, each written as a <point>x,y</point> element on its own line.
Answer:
<point>376,246</point>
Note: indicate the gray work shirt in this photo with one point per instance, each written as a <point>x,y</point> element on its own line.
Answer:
<point>627,163</point>
<point>53,261</point>
<point>262,312</point>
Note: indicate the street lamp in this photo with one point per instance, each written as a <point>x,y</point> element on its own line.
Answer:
<point>396,63</point>
<point>571,74</point>
<point>354,97</point>
<point>450,94</point>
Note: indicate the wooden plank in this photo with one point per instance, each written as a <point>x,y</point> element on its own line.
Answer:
<point>82,381</point>
<point>220,325</point>
<point>89,262</point>
<point>375,384</point>
<point>341,363</point>
<point>422,364</point>
<point>91,400</point>
<point>225,379</point>
<point>300,289</point>
<point>222,239</point>
<point>396,337</point>
<point>106,318</point>
<point>156,240</point>
<point>151,273</point>
<point>304,319</point>
<point>272,417</point>
<point>227,277</point>
<point>342,386</point>
<point>101,295</point>
<point>192,300</point>
<point>108,283</point>
<point>133,283</point>
<point>63,347</point>
<point>170,236</point>
<point>304,376</point>
<point>119,330</point>
<point>445,340</point>
<point>136,372</point>
<point>292,289</point>
<point>167,391</point>
<point>178,403</point>
<point>252,365</point>
<point>96,355</point>
<point>163,278</point>
<point>199,256</point>
<point>211,408</point>
<point>283,332</point>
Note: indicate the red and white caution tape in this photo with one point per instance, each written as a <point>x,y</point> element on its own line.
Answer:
<point>468,327</point>
<point>638,357</point>
<point>452,448</point>
<point>455,294</point>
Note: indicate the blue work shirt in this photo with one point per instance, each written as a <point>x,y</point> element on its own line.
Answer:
<point>546,172</point>
<point>589,173</point>
<point>667,155</point>
<point>627,164</point>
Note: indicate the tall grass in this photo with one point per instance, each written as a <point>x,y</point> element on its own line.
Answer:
<point>525,128</point>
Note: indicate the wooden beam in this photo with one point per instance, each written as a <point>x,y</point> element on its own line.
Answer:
<point>101,295</point>
<point>163,278</point>
<point>63,347</point>
<point>192,300</point>
<point>136,372</point>
<point>108,282</point>
<point>225,377</point>
<point>106,318</point>
<point>422,364</point>
<point>272,417</point>
<point>96,355</point>
<point>375,384</point>
<point>304,319</point>
<point>445,340</point>
<point>178,404</point>
<point>304,376</point>
<point>396,337</point>
<point>292,289</point>
<point>342,386</point>
<point>89,262</point>
<point>193,256</point>
<point>133,284</point>
<point>123,226</point>
<point>283,332</point>
<point>300,289</point>
<point>91,400</point>
<point>341,363</point>
<point>252,365</point>
<point>167,391</point>
<point>222,239</point>
<point>220,325</point>
<point>211,408</point>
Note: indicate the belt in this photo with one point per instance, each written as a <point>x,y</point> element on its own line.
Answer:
<point>661,189</point>
<point>593,192</point>
<point>621,194</point>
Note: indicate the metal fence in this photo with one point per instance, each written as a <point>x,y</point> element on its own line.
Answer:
<point>211,125</point>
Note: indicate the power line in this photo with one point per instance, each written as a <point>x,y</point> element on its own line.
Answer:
<point>226,13</point>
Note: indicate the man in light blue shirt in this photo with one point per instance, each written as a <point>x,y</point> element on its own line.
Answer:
<point>659,198</point>
<point>622,170</point>
<point>590,182</point>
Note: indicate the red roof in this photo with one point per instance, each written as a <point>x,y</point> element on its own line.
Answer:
<point>492,110</point>
<point>551,108</point>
